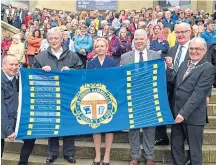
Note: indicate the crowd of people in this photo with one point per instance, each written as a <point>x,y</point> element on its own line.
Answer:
<point>91,40</point>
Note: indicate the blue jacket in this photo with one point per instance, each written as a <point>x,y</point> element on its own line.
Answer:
<point>95,63</point>
<point>170,24</point>
<point>83,43</point>
<point>210,38</point>
<point>174,17</point>
<point>156,46</point>
<point>9,105</point>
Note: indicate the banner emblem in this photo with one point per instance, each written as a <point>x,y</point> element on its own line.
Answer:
<point>93,105</point>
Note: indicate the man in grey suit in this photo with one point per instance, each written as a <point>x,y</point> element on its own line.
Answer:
<point>193,82</point>
<point>140,54</point>
<point>9,98</point>
<point>179,53</point>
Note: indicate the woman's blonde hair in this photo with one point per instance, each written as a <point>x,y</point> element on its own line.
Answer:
<point>100,39</point>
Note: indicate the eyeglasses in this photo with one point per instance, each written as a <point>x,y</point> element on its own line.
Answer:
<point>196,49</point>
<point>181,32</point>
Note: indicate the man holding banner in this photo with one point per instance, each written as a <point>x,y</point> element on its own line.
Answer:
<point>141,54</point>
<point>193,82</point>
<point>58,57</point>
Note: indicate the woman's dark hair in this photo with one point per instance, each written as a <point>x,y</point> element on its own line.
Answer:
<point>38,32</point>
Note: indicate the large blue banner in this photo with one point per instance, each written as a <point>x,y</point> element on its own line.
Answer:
<point>80,102</point>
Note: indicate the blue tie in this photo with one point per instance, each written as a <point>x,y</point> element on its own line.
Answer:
<point>177,61</point>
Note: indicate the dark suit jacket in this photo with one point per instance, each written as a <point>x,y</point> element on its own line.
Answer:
<point>190,94</point>
<point>172,53</point>
<point>95,63</point>
<point>9,105</point>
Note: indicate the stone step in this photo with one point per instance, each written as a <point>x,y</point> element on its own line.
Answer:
<point>122,137</point>
<point>119,151</point>
<point>211,110</point>
<point>212,123</point>
<point>12,159</point>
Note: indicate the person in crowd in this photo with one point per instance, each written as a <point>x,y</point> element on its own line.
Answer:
<point>58,57</point>
<point>166,32</point>
<point>140,54</point>
<point>188,16</point>
<point>110,17</point>
<point>181,17</point>
<point>83,44</point>
<point>10,13</point>
<point>116,22</point>
<point>9,98</point>
<point>6,43</point>
<point>192,84</point>
<point>160,16</point>
<point>93,32</point>
<point>122,16</point>
<point>114,45</point>
<point>195,31</point>
<point>210,34</point>
<point>153,20</point>
<point>159,42</point>
<point>27,19</point>
<point>168,22</point>
<point>16,19</point>
<point>23,28</point>
<point>23,14</point>
<point>101,61</point>
<point>34,44</point>
<point>125,40</point>
<point>175,14</point>
<point>67,42</point>
<point>17,49</point>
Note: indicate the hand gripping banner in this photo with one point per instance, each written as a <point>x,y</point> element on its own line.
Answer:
<point>77,102</point>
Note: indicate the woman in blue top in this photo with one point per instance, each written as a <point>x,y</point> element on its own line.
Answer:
<point>83,44</point>
<point>102,61</point>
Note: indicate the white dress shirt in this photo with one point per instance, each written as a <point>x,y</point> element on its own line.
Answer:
<point>137,55</point>
<point>184,52</point>
<point>9,78</point>
<point>57,54</point>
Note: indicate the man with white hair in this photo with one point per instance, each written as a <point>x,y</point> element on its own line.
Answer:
<point>140,54</point>
<point>179,53</point>
<point>193,82</point>
<point>58,57</point>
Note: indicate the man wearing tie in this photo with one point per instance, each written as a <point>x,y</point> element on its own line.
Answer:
<point>140,54</point>
<point>193,82</point>
<point>179,53</point>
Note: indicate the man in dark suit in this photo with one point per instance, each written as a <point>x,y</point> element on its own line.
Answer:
<point>179,53</point>
<point>61,58</point>
<point>9,98</point>
<point>140,54</point>
<point>193,82</point>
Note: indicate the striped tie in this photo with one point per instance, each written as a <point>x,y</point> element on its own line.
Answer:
<point>177,61</point>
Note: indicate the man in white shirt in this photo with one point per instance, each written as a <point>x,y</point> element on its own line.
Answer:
<point>140,54</point>
<point>179,53</point>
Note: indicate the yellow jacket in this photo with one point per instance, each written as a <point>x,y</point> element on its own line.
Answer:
<point>18,50</point>
<point>171,39</point>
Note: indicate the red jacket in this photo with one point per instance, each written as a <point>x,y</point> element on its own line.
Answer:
<point>33,45</point>
<point>5,45</point>
<point>27,19</point>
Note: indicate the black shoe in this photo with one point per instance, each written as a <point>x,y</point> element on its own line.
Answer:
<point>51,159</point>
<point>105,163</point>
<point>70,159</point>
<point>159,142</point>
<point>96,163</point>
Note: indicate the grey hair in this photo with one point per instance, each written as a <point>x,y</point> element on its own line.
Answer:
<point>68,33</point>
<point>199,40</point>
<point>5,58</point>
<point>54,30</point>
<point>183,24</point>
<point>141,32</point>
<point>17,37</point>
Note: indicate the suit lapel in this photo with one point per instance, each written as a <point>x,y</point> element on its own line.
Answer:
<point>149,55</point>
<point>181,73</point>
<point>132,57</point>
